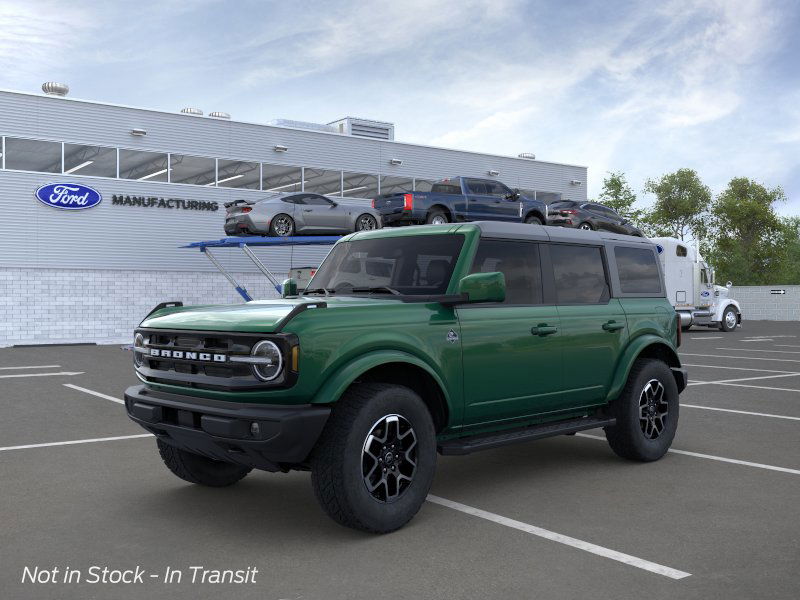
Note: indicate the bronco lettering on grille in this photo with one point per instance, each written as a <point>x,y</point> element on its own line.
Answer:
<point>204,356</point>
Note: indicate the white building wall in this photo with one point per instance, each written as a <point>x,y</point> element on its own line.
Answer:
<point>758,303</point>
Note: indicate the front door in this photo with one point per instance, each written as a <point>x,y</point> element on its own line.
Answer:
<point>511,350</point>
<point>321,214</point>
<point>593,325</point>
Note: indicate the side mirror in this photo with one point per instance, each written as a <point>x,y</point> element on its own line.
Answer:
<point>514,195</point>
<point>729,285</point>
<point>289,288</point>
<point>334,204</point>
<point>483,287</point>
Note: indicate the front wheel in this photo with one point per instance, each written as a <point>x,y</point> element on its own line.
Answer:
<point>281,226</point>
<point>199,469</point>
<point>646,413</point>
<point>533,220</point>
<point>366,222</point>
<point>374,462</point>
<point>585,226</point>
<point>729,320</point>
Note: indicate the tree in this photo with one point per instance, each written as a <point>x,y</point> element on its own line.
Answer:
<point>681,205</point>
<point>617,194</point>
<point>750,242</point>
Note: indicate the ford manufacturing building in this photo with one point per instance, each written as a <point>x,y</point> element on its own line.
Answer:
<point>91,275</point>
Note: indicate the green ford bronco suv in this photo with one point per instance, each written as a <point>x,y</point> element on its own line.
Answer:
<point>450,338</point>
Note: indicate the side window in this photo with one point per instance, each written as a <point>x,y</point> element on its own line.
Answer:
<point>476,186</point>
<point>519,262</point>
<point>579,274</point>
<point>316,200</point>
<point>638,271</point>
<point>495,188</point>
<point>680,250</point>
<point>446,186</point>
<point>294,199</point>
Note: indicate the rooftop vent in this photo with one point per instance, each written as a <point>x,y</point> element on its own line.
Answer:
<point>302,125</point>
<point>51,88</point>
<point>219,115</point>
<point>527,155</point>
<point>377,130</point>
<point>192,111</point>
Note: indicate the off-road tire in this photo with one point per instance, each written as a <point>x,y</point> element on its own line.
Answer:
<point>274,232</point>
<point>627,438</point>
<point>533,220</point>
<point>434,213</point>
<point>336,461</point>
<point>723,324</point>
<point>199,469</point>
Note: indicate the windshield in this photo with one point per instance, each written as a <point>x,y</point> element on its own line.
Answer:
<point>413,265</point>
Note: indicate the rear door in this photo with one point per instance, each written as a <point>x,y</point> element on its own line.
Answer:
<point>593,325</point>
<point>511,350</point>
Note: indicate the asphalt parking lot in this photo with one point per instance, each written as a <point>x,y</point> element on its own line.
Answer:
<point>717,517</point>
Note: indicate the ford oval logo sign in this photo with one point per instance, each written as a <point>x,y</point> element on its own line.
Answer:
<point>68,196</point>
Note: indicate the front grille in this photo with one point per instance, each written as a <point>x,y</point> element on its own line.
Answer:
<point>193,371</point>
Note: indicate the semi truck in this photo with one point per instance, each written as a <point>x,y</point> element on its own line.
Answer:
<point>692,290</point>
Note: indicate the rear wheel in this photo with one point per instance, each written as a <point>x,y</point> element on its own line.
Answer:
<point>366,222</point>
<point>646,413</point>
<point>374,462</point>
<point>199,469</point>
<point>281,226</point>
<point>533,220</point>
<point>729,320</point>
<point>585,226</point>
<point>437,216</point>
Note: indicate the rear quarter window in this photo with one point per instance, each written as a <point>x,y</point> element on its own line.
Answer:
<point>638,271</point>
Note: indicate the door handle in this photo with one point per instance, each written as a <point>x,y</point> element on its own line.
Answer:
<point>543,329</point>
<point>613,326</point>
<point>308,210</point>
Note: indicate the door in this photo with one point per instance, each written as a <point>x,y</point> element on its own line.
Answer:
<point>322,214</point>
<point>479,201</point>
<point>505,206</point>
<point>593,325</point>
<point>511,350</point>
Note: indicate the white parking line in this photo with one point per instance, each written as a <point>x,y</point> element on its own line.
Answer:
<point>93,393</point>
<point>31,367</point>
<point>743,379</point>
<point>754,350</point>
<point>71,442</point>
<point>787,345</point>
<point>561,539</point>
<point>713,337</point>
<point>741,412</point>
<point>712,457</point>
<point>737,368</point>
<point>41,374</point>
<point>740,357</point>
<point>758,340</point>
<point>760,387</point>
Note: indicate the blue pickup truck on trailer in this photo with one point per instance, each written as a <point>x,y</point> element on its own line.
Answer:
<point>460,199</point>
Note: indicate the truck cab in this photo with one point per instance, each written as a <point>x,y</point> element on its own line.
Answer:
<point>692,290</point>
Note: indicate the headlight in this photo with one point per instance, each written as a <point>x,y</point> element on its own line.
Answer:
<point>138,342</point>
<point>271,361</point>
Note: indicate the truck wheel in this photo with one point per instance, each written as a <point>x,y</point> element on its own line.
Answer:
<point>374,462</point>
<point>646,413</point>
<point>199,469</point>
<point>729,320</point>
<point>533,220</point>
<point>437,216</point>
<point>281,226</point>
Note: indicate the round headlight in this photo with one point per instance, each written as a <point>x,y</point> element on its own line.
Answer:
<point>138,342</point>
<point>271,363</point>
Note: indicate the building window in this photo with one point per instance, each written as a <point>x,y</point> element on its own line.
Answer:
<point>194,170</point>
<point>359,185</point>
<point>321,181</point>
<point>144,166</point>
<point>33,155</point>
<point>97,161</point>
<point>238,174</point>
<point>423,185</point>
<point>396,185</point>
<point>546,197</point>
<point>279,178</point>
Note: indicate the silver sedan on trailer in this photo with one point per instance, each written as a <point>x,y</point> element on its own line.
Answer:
<point>298,213</point>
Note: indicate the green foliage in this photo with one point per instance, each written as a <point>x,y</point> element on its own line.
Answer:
<point>617,194</point>
<point>681,206</point>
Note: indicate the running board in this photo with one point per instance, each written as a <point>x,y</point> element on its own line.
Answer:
<point>468,445</point>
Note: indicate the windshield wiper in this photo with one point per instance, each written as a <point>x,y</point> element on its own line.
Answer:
<point>321,290</point>
<point>378,289</point>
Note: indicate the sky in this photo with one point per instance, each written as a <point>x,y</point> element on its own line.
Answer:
<point>639,87</point>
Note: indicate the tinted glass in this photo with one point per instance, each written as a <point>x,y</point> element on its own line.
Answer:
<point>418,265</point>
<point>519,262</point>
<point>316,200</point>
<point>360,185</point>
<point>681,251</point>
<point>638,271</point>
<point>579,274</point>
<point>238,174</point>
<point>90,160</point>
<point>446,186</point>
<point>423,185</point>
<point>144,166</point>
<point>563,204</point>
<point>195,170</point>
<point>476,187</point>
<point>279,178</point>
<point>33,155</point>
<point>495,188</point>
<point>321,181</point>
<point>547,197</point>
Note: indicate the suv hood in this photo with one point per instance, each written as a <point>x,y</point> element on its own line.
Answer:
<point>259,316</point>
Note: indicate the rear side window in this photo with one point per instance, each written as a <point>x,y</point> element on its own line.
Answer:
<point>638,271</point>
<point>519,262</point>
<point>446,186</point>
<point>579,274</point>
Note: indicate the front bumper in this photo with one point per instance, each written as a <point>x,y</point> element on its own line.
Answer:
<point>225,431</point>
